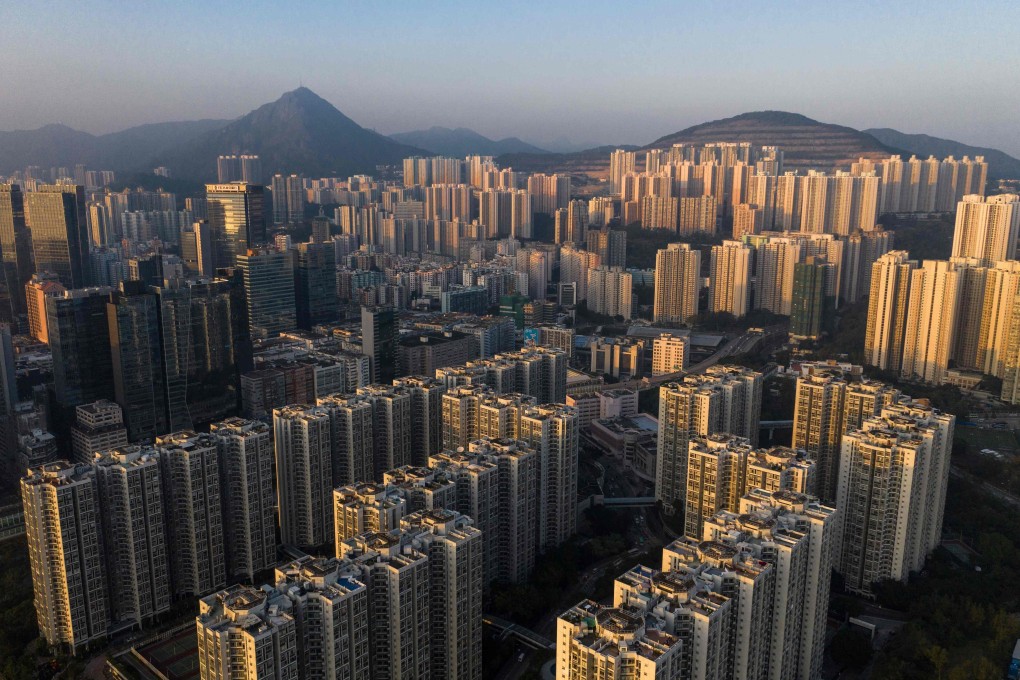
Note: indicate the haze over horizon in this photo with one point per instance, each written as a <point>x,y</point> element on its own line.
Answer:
<point>603,75</point>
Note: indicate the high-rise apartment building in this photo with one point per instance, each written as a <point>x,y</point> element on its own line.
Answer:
<point>304,478</point>
<point>888,304</point>
<point>366,507</point>
<point>723,468</point>
<point>892,491</point>
<point>933,309</point>
<point>352,437</point>
<point>670,353</point>
<point>549,193</point>
<point>330,605</point>
<point>620,164</point>
<point>237,220</point>
<point>723,400</point>
<point>59,229</point>
<point>133,518</point>
<point>552,430</point>
<point>610,291</point>
<point>609,244</point>
<point>729,289</point>
<point>392,426</point>
<point>249,504</point>
<point>828,404</point>
<point>677,283</point>
<point>987,228</point>
<point>66,551</point>
<point>97,427</point>
<point>241,633</point>
<point>190,471</point>
<point>426,415</point>
<point>238,168</point>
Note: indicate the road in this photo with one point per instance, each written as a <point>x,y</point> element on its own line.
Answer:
<point>991,489</point>
<point>654,381</point>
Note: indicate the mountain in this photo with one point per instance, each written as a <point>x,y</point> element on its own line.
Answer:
<point>1000,164</point>
<point>463,142</point>
<point>594,162</point>
<point>132,149</point>
<point>806,143</point>
<point>298,133</point>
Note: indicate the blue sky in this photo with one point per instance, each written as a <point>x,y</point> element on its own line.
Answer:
<point>605,72</point>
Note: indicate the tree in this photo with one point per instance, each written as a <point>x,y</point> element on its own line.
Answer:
<point>850,649</point>
<point>938,657</point>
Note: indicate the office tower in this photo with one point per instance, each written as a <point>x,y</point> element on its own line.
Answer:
<point>610,245</point>
<point>15,249</point>
<point>79,339</point>
<point>426,415</point>
<point>677,283</point>
<point>669,353</point>
<point>814,298</point>
<point>932,311</point>
<point>549,193</point>
<point>315,284</point>
<point>723,400</point>
<point>269,290</point>
<point>366,507</point>
<point>456,562</point>
<point>133,517</point>
<point>201,339</point>
<point>887,310</point>
<point>730,283</point>
<point>397,575</point>
<point>8,375</point>
<point>892,491</point>
<point>352,438</point>
<point>237,220</point>
<point>610,291</point>
<point>137,360</point>
<point>249,505</point>
<point>59,230</point>
<point>98,426</point>
<point>987,228</point>
<point>330,605</point>
<point>65,548</point>
<point>552,430</point>
<point>379,335</point>
<point>197,249</point>
<point>304,477</point>
<point>620,163</point>
<point>392,426</point>
<point>35,448</point>
<point>238,168</point>
<point>242,635</point>
<point>41,286</point>
<point>189,468</point>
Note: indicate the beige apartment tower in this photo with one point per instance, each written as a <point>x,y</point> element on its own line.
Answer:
<point>677,283</point>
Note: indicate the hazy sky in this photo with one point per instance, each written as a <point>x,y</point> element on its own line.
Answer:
<point>601,72</point>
